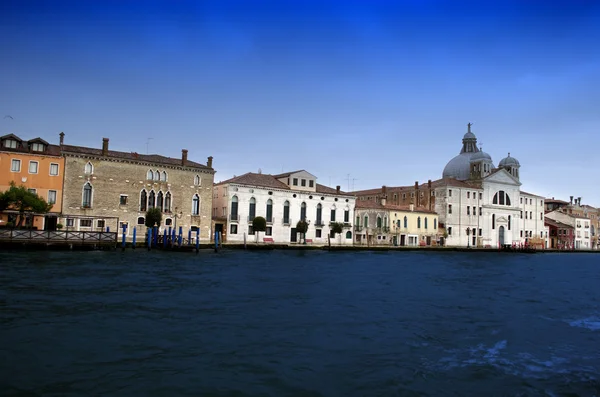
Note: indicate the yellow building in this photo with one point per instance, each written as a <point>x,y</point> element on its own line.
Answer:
<point>378,223</point>
<point>39,167</point>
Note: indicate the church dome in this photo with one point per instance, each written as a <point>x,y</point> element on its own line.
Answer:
<point>509,162</point>
<point>481,155</point>
<point>459,167</point>
<point>469,135</point>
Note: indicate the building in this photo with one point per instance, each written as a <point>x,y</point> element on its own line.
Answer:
<point>561,236</point>
<point>380,223</point>
<point>38,166</point>
<point>108,189</point>
<point>574,207</point>
<point>581,225</point>
<point>283,200</point>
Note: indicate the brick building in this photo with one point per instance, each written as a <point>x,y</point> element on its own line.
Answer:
<point>107,188</point>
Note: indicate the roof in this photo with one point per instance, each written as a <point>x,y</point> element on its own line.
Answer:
<point>534,195</point>
<point>51,150</point>
<point>390,207</point>
<point>272,181</point>
<point>552,222</point>
<point>133,156</point>
<point>548,201</point>
<point>287,174</point>
<point>437,183</point>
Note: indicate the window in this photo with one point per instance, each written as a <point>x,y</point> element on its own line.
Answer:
<point>141,220</point>
<point>311,183</point>
<point>53,169</point>
<point>480,196</point>
<point>332,218</point>
<point>151,199</point>
<point>197,180</point>
<point>159,200</point>
<point>37,147</point>
<point>521,233</point>
<point>501,198</point>
<point>233,229</point>
<point>480,232</point>
<point>435,224</point>
<point>70,222</point>
<point>143,200</point>
<point>541,216</point>
<point>509,222</point>
<point>319,214</point>
<point>468,210</point>
<point>303,211</point>
<point>449,208</point>
<point>51,196</point>
<point>348,235</point>
<point>10,144</point>
<point>450,193</point>
<point>250,230</point>
<point>418,222</point>
<point>33,167</point>
<point>530,215</point>
<point>286,213</point>
<point>366,221</point>
<point>269,231</point>
<point>450,231</point>
<point>100,223</point>
<point>164,176</point>
<point>405,222</point>
<point>318,233</point>
<point>85,223</point>
<point>480,211</point>
<point>468,195</point>
<point>347,216</point>
<point>123,199</point>
<point>150,175</point>
<point>295,181</point>
<point>269,211</point>
<point>379,222</point>
<point>303,182</point>
<point>252,209</point>
<point>34,191</point>
<point>493,221</point>
<point>87,196</point>
<point>167,206</point>
<point>157,175</point>
<point>425,222</point>
<point>196,205</point>
<point>89,168</point>
<point>521,214</point>
<point>15,165</point>
<point>530,201</point>
<point>168,222</point>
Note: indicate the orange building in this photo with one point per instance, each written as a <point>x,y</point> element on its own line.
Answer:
<point>38,166</point>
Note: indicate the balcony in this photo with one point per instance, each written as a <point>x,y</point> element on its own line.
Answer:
<point>578,225</point>
<point>251,218</point>
<point>234,218</point>
<point>319,222</point>
<point>287,221</point>
<point>358,228</point>
<point>386,229</point>
<point>587,226</point>
<point>269,221</point>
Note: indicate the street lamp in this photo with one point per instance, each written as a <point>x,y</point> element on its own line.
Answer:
<point>468,239</point>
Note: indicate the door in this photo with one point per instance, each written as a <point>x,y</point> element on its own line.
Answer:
<point>403,240</point>
<point>501,235</point>
<point>50,223</point>
<point>294,235</point>
<point>219,229</point>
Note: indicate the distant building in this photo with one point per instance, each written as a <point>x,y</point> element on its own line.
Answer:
<point>581,226</point>
<point>38,166</point>
<point>107,188</point>
<point>283,200</point>
<point>561,235</point>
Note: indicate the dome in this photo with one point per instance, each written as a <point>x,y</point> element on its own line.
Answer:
<point>459,167</point>
<point>469,135</point>
<point>509,162</point>
<point>481,156</point>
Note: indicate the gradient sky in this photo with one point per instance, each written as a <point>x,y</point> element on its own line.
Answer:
<point>379,90</point>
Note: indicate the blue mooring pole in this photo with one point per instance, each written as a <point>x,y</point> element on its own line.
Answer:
<point>123,243</point>
<point>134,229</point>
<point>197,240</point>
<point>180,235</point>
<point>165,239</point>
<point>216,241</point>
<point>149,238</point>
<point>190,236</point>
<point>170,234</point>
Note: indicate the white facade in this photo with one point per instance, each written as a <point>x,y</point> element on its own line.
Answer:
<point>249,191</point>
<point>582,230</point>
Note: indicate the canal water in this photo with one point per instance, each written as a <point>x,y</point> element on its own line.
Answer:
<point>293,323</point>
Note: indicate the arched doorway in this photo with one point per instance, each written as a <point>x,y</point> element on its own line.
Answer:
<point>501,235</point>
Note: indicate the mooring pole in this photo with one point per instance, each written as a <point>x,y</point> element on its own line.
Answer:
<point>197,240</point>
<point>149,238</point>
<point>190,236</point>
<point>244,240</point>
<point>216,241</point>
<point>134,229</point>
<point>180,234</point>
<point>165,239</point>
<point>123,243</point>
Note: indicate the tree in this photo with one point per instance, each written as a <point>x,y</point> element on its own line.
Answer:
<point>20,199</point>
<point>302,227</point>
<point>336,228</point>
<point>259,224</point>
<point>153,216</point>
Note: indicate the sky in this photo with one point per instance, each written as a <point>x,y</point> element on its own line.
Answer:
<point>359,93</point>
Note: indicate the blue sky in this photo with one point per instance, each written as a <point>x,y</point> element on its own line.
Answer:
<point>379,90</point>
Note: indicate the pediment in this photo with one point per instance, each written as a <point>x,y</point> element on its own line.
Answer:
<point>502,219</point>
<point>502,176</point>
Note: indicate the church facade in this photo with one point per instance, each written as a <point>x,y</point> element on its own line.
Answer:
<point>482,205</point>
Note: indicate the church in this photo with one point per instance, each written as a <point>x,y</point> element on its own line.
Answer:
<point>482,205</point>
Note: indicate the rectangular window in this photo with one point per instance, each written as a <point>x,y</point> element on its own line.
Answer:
<point>10,144</point>
<point>347,216</point>
<point>449,208</point>
<point>450,193</point>
<point>521,233</point>
<point>69,222</point>
<point>318,233</point>
<point>480,211</point>
<point>123,199</point>
<point>468,210</point>
<point>233,229</point>
<point>15,165</point>
<point>123,226</point>
<point>37,147</point>
<point>480,232</point>
<point>269,231</point>
<point>541,216</point>
<point>51,196</point>
<point>521,214</point>
<point>480,196</point>
<point>521,200</point>
<point>295,181</point>
<point>85,222</point>
<point>33,167</point>
<point>34,191</point>
<point>332,218</point>
<point>450,231</point>
<point>303,182</point>
<point>468,195</point>
<point>311,183</point>
<point>250,230</point>
<point>530,215</point>
<point>101,223</point>
<point>53,169</point>
<point>531,201</point>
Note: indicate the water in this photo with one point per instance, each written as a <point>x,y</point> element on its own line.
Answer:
<point>299,324</point>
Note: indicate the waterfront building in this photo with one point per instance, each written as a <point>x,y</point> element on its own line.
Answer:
<point>380,223</point>
<point>39,167</point>
<point>574,207</point>
<point>283,200</point>
<point>106,188</point>
<point>561,235</point>
<point>581,225</point>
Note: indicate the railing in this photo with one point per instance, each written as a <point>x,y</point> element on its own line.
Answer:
<point>269,221</point>
<point>578,225</point>
<point>287,221</point>
<point>319,222</point>
<point>386,229</point>
<point>45,236</point>
<point>587,226</point>
<point>251,218</point>
<point>358,228</point>
<point>234,217</point>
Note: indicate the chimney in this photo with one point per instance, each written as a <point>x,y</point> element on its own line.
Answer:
<point>384,190</point>
<point>184,157</point>
<point>429,183</point>
<point>416,185</point>
<point>105,146</point>
<point>62,138</point>
<point>571,200</point>
<point>579,201</point>
<point>209,162</point>
<point>337,189</point>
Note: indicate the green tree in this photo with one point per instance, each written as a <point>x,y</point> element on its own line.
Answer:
<point>20,199</point>
<point>259,224</point>
<point>153,216</point>
<point>302,227</point>
<point>336,228</point>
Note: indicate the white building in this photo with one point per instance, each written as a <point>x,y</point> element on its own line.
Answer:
<point>282,200</point>
<point>581,227</point>
<point>483,205</point>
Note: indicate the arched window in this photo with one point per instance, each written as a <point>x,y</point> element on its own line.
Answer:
<point>150,175</point>
<point>157,175</point>
<point>348,234</point>
<point>319,213</point>
<point>385,221</point>
<point>252,210</point>
<point>507,199</point>
<point>398,223</point>
<point>197,180</point>
<point>141,220</point>
<point>405,222</point>
<point>425,222</point>
<point>196,205</point>
<point>286,213</point>
<point>303,211</point>
<point>493,221</point>
<point>159,200</point>
<point>378,221</point>
<point>509,222</point>
<point>234,209</point>
<point>269,211</point>
<point>501,198</point>
<point>151,199</point>
<point>86,201</point>
<point>418,222</point>
<point>434,224</point>
<point>89,168</point>
<point>167,206</point>
<point>143,200</point>
<point>164,176</point>
<point>366,221</point>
